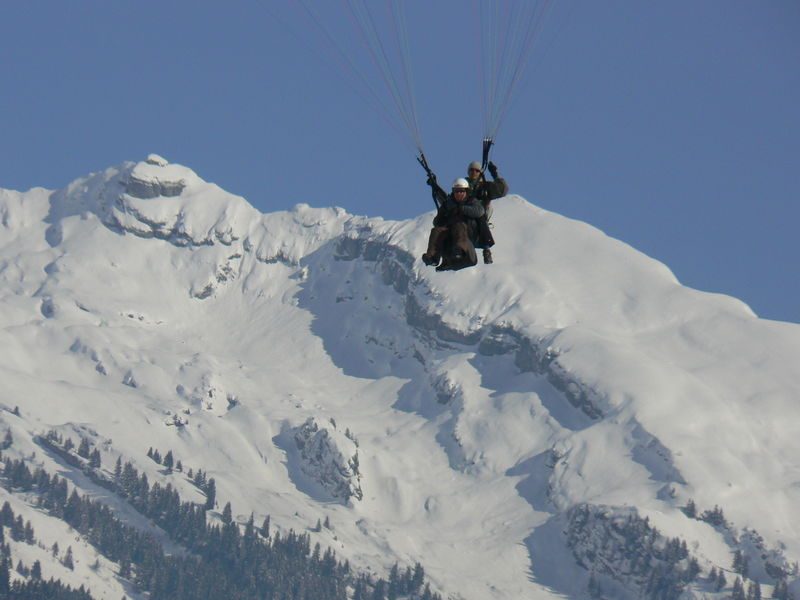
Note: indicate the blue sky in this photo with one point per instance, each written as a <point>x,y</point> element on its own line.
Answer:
<point>673,126</point>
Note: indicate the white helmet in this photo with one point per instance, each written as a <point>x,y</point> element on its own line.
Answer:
<point>461,184</point>
<point>474,165</point>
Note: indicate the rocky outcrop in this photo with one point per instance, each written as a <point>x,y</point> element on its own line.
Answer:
<point>152,179</point>
<point>330,458</point>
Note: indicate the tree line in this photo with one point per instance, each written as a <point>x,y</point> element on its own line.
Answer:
<point>222,560</point>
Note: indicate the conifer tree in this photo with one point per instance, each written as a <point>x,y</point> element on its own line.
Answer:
<point>84,449</point>
<point>694,569</point>
<point>169,460</point>
<point>211,494</point>
<point>5,577</point>
<point>754,591</point>
<point>418,578</point>
<point>125,568</point>
<point>6,514</point>
<point>360,590</point>
<point>265,527</point>
<point>316,553</point>
<point>250,530</point>
<point>721,581</point>
<point>740,563</point>
<point>36,570</point>
<point>427,594</point>
<point>715,517</point>
<point>18,529</point>
<point>394,583</point>
<point>737,561</point>
<point>379,591</point>
<point>29,537</point>
<point>738,590</point>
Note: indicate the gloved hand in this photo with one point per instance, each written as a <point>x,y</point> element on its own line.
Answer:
<point>431,180</point>
<point>493,169</point>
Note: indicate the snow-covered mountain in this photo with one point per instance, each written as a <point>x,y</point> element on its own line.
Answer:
<point>508,426</point>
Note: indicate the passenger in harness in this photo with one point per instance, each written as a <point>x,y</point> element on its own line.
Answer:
<point>485,191</point>
<point>455,227</point>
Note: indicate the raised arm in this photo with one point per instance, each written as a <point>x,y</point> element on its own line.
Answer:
<point>498,187</point>
<point>439,195</point>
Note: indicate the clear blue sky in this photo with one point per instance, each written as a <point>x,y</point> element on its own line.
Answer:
<point>674,126</point>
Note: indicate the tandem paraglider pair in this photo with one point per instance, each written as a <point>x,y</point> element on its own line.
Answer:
<point>462,221</point>
<point>507,31</point>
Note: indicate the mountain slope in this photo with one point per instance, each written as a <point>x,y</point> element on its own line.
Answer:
<point>143,307</point>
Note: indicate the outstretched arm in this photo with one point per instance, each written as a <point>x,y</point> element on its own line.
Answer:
<point>498,187</point>
<point>439,195</point>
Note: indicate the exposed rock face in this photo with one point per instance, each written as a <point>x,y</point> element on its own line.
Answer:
<point>330,458</point>
<point>155,159</point>
<point>154,178</point>
<point>153,189</point>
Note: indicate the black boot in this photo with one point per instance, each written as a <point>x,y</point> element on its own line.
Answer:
<point>487,256</point>
<point>430,259</point>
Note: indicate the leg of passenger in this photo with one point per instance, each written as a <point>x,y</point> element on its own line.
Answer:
<point>435,242</point>
<point>485,233</point>
<point>460,235</point>
<point>485,237</point>
<point>463,244</point>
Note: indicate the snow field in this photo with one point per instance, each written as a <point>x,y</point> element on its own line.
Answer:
<point>120,313</point>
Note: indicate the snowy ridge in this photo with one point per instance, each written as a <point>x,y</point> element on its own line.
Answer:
<point>575,372</point>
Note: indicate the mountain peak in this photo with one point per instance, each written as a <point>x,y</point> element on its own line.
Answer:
<point>155,159</point>
<point>156,198</point>
<point>156,177</point>
<point>568,386</point>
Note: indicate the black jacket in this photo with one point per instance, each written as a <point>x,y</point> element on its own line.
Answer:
<point>451,212</point>
<point>486,191</point>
